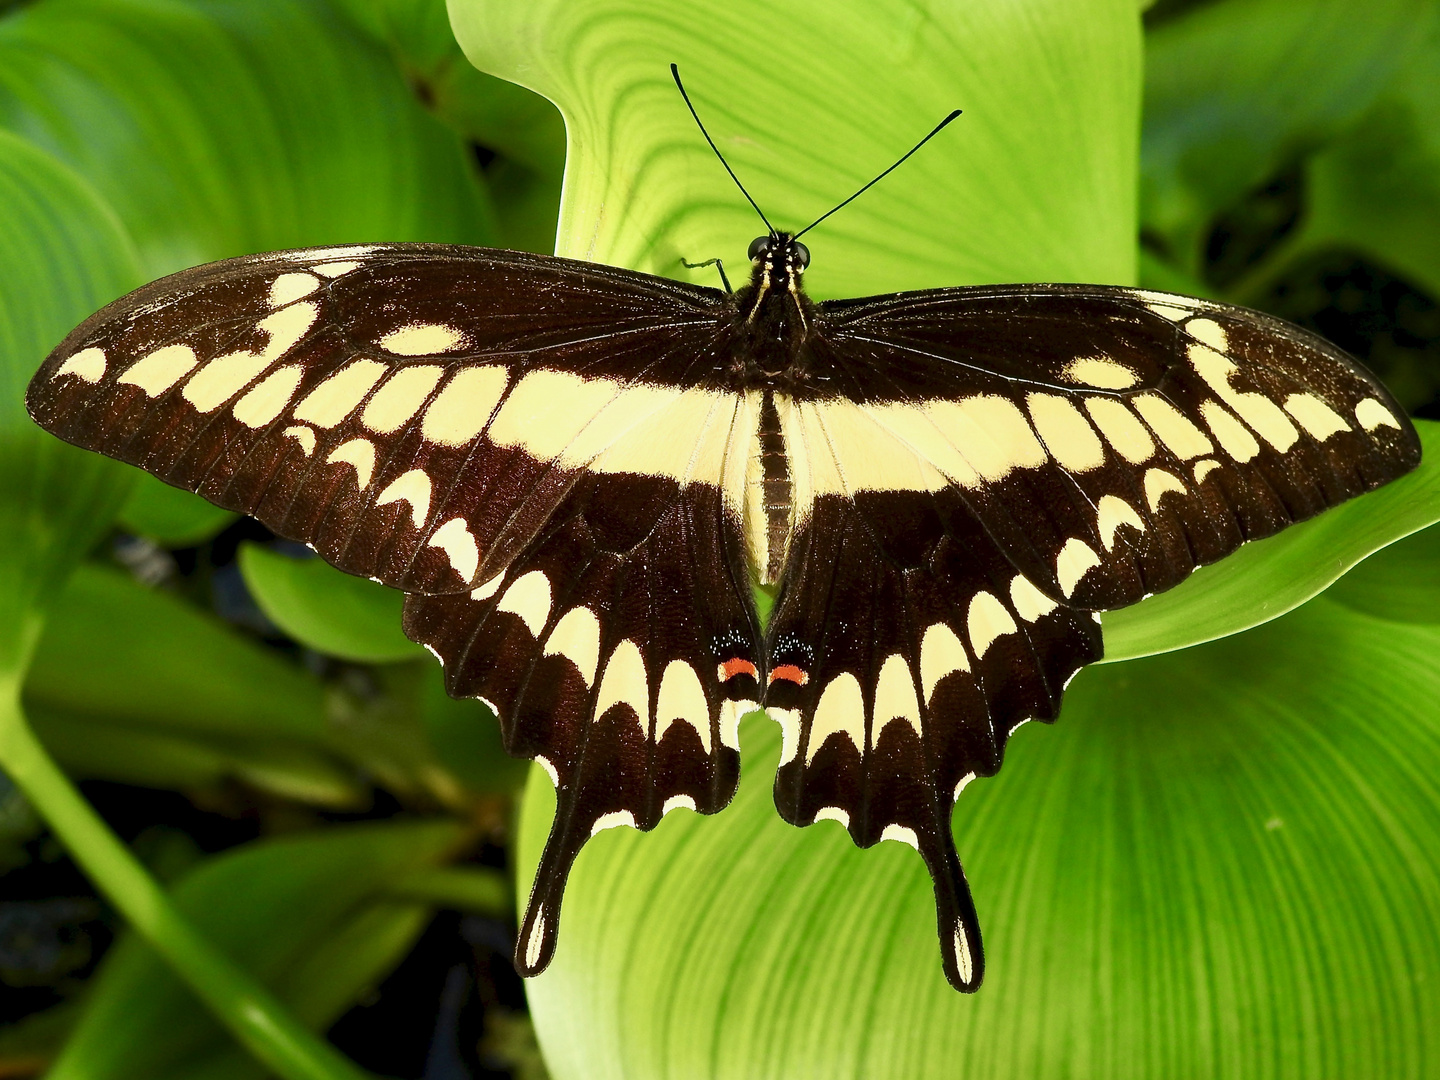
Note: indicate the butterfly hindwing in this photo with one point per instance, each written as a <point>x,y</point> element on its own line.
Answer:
<point>904,649</point>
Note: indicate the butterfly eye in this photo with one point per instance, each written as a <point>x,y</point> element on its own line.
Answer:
<point>758,247</point>
<point>802,255</point>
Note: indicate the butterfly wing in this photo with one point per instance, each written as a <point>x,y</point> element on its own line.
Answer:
<point>414,412</point>
<point>995,466</point>
<point>536,450</point>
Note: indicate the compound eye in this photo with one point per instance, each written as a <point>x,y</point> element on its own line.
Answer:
<point>758,247</point>
<point>802,255</point>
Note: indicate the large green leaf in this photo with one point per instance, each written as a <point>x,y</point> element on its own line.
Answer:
<point>305,914</point>
<point>1223,862</point>
<point>1236,90</point>
<point>62,254</point>
<point>1377,190</point>
<point>114,649</point>
<point>218,127</point>
<point>1036,181</point>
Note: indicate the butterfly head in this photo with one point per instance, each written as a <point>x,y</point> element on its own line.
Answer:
<point>773,306</point>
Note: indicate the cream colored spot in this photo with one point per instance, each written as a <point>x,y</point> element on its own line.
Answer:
<point>902,833</point>
<point>1158,483</point>
<point>304,436</point>
<point>1262,414</point>
<point>730,713</point>
<point>400,397</point>
<point>1175,430</point>
<point>361,454</point>
<point>336,397</point>
<point>536,939</point>
<point>268,398</point>
<point>613,820</point>
<point>1234,437</point>
<point>489,588</point>
<point>940,654</point>
<point>1076,559</point>
<point>895,695</point>
<point>158,371</point>
<point>459,546</point>
<point>1208,332</point>
<point>1111,513</point>
<point>625,682</point>
<point>577,638</point>
<point>987,621</point>
<point>412,487</point>
<point>291,287</point>
<point>549,768</point>
<point>676,802</point>
<point>461,410</point>
<point>1315,416</point>
<point>1101,373</point>
<point>962,784</point>
<point>87,364</point>
<point>529,598</point>
<point>833,813</point>
<point>1169,311</point>
<point>1204,467</point>
<point>841,710</point>
<point>1369,414</point>
<point>682,699</point>
<point>335,269</point>
<point>1122,431</point>
<point>422,339</point>
<point>964,962</point>
<point>1066,433</point>
<point>1030,603</point>
<point>225,376</point>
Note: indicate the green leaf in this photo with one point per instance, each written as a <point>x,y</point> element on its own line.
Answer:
<point>1265,579</point>
<point>62,254</point>
<point>1034,182</point>
<point>1235,90</point>
<point>1400,582</point>
<point>1377,190</point>
<point>305,914</point>
<point>221,127</point>
<point>326,609</point>
<point>169,515</point>
<point>1221,862</point>
<point>115,649</point>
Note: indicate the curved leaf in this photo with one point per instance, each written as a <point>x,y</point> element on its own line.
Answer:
<point>334,612</point>
<point>169,515</point>
<point>62,254</point>
<point>1400,582</point>
<point>217,128</point>
<point>1034,182</point>
<point>1217,863</point>
<point>277,907</point>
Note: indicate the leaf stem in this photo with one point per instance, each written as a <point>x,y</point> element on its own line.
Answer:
<point>252,1014</point>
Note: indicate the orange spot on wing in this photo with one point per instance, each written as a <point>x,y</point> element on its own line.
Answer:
<point>790,673</point>
<point>738,666</point>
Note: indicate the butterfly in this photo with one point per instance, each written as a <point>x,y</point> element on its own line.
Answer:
<point>578,474</point>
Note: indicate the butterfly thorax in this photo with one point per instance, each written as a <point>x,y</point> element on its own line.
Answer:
<point>773,316</point>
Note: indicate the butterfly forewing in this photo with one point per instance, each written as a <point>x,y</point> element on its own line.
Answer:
<point>577,472</point>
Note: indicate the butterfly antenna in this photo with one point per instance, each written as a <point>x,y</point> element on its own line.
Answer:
<point>934,131</point>
<point>675,71</point>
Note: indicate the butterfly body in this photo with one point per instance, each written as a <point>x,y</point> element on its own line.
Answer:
<point>579,473</point>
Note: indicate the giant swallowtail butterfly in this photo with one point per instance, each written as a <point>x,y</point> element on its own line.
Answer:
<point>577,474</point>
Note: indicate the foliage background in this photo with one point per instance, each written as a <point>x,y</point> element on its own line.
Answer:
<point>1222,861</point>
